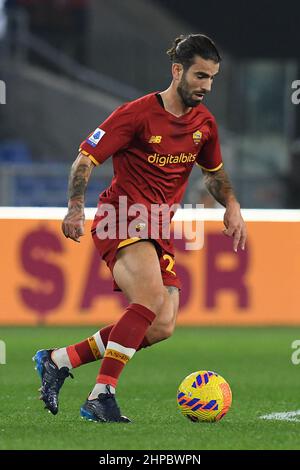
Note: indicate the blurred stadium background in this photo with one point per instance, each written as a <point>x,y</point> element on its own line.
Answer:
<point>67,64</point>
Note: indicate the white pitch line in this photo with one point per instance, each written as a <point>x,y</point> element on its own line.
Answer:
<point>283,416</point>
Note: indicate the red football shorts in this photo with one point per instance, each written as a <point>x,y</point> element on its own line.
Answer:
<point>108,249</point>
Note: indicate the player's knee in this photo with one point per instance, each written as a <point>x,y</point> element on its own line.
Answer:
<point>166,331</point>
<point>163,330</point>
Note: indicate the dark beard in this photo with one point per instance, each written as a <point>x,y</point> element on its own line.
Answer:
<point>184,94</point>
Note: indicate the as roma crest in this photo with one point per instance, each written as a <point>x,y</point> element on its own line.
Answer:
<point>197,136</point>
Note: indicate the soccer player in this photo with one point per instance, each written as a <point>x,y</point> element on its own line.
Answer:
<point>154,142</point>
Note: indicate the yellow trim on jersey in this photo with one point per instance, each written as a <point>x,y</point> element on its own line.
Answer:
<point>93,159</point>
<point>94,348</point>
<point>212,169</point>
<point>129,241</point>
<point>87,154</point>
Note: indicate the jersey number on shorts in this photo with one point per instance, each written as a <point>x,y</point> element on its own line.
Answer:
<point>171,264</point>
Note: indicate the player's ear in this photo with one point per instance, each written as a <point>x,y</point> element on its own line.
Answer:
<point>177,70</point>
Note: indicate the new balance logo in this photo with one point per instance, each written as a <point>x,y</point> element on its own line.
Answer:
<point>155,139</point>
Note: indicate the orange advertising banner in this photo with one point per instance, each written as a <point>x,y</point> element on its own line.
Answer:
<point>48,279</point>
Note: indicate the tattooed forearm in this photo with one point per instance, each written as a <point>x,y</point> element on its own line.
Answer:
<point>219,186</point>
<point>78,180</point>
<point>73,223</point>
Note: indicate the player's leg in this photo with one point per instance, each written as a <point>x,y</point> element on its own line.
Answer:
<point>93,348</point>
<point>54,365</point>
<point>103,407</point>
<point>161,328</point>
<point>164,324</point>
<point>137,272</point>
<point>88,350</point>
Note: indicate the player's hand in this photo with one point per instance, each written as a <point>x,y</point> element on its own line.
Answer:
<point>73,223</point>
<point>235,226</point>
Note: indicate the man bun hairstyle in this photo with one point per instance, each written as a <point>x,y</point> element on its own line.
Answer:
<point>185,47</point>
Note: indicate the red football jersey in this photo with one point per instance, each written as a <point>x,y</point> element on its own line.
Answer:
<point>153,151</point>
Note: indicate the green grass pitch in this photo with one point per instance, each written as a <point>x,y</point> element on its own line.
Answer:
<point>255,361</point>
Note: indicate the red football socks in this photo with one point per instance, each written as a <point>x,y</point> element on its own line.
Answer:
<point>123,341</point>
<point>93,348</point>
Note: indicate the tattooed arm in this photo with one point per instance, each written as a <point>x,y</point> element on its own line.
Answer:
<point>219,186</point>
<point>73,223</point>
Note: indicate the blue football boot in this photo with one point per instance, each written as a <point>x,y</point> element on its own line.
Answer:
<point>52,378</point>
<point>103,409</point>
